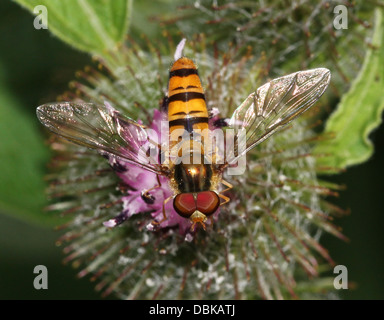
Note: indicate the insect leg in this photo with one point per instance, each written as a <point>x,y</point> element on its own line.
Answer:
<point>164,215</point>
<point>227,184</point>
<point>226,199</point>
<point>148,198</point>
<point>155,187</point>
<point>229,187</point>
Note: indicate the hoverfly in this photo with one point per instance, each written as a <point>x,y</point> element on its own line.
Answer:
<point>196,184</point>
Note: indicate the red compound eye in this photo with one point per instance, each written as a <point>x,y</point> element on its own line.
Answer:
<point>207,202</point>
<point>184,204</point>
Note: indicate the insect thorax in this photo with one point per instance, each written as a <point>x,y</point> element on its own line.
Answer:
<point>192,173</point>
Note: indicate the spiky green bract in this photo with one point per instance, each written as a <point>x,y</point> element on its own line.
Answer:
<point>293,36</point>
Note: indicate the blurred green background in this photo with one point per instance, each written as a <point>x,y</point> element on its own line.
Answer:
<point>35,67</point>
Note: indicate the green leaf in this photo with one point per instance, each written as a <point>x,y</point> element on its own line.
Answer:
<point>93,26</point>
<point>359,111</point>
<point>23,158</point>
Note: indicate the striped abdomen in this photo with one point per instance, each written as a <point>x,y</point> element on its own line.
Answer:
<point>186,102</point>
<point>188,115</point>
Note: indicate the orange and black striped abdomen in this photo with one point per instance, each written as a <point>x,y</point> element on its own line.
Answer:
<point>186,101</point>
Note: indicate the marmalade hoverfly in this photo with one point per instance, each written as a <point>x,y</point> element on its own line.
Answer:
<point>196,184</point>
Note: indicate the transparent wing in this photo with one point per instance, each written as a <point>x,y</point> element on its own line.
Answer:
<point>273,106</point>
<point>101,128</point>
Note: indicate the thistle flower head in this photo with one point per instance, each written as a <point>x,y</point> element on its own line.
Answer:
<point>262,244</point>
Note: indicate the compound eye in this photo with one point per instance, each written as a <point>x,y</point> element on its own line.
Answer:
<point>207,202</point>
<point>184,204</point>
